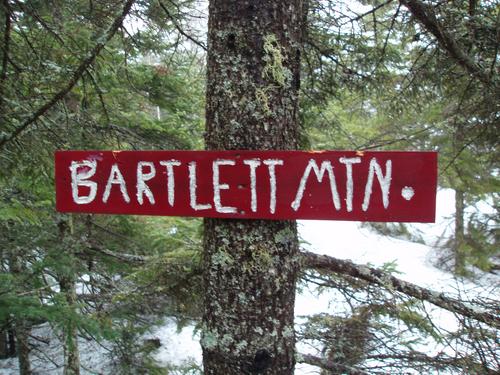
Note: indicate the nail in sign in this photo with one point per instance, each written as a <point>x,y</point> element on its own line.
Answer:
<point>336,185</point>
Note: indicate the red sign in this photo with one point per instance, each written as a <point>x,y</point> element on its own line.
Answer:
<point>339,185</point>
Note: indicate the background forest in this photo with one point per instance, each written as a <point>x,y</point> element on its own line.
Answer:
<point>130,75</point>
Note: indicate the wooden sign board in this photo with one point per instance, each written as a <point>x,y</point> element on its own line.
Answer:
<point>338,185</point>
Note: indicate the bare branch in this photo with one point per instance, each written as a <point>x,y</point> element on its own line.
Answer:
<point>439,362</point>
<point>77,74</point>
<point>386,280</point>
<point>330,54</point>
<point>386,41</point>
<point>329,365</point>
<point>129,258</point>
<point>372,11</point>
<point>179,29</point>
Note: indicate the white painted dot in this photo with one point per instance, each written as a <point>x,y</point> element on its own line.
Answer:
<point>407,192</point>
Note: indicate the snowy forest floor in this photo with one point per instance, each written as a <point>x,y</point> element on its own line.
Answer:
<point>414,262</point>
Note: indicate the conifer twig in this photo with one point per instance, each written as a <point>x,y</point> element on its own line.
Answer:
<point>425,15</point>
<point>75,77</point>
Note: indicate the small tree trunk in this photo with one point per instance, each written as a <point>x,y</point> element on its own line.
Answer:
<point>21,326</point>
<point>12,343</point>
<point>7,344</point>
<point>250,266</point>
<point>458,246</point>
<point>459,243</point>
<point>23,348</point>
<point>71,352</point>
<point>4,349</point>
<point>70,333</point>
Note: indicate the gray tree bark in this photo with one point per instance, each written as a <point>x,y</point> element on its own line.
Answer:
<point>71,350</point>
<point>3,344</point>
<point>458,245</point>
<point>459,233</point>
<point>23,348</point>
<point>21,326</point>
<point>11,337</point>
<point>67,284</point>
<point>250,267</point>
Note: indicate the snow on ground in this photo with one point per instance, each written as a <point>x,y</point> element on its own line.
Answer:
<point>345,240</point>
<point>48,359</point>
<point>179,347</point>
<point>348,240</point>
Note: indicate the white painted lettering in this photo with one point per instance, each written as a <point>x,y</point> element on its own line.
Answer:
<point>142,188</point>
<point>192,190</point>
<point>385,182</point>
<point>253,164</point>
<point>170,179</point>
<point>218,186</point>
<point>407,192</point>
<point>271,164</point>
<point>326,166</point>
<point>115,178</point>
<point>349,184</point>
<point>79,179</point>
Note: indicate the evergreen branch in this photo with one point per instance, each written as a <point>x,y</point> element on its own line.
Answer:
<point>387,37</point>
<point>100,96</point>
<point>332,55</point>
<point>36,290</point>
<point>425,15</point>
<point>329,365</point>
<point>438,362</point>
<point>386,280</point>
<point>28,9</point>
<point>75,77</point>
<point>458,152</point>
<point>372,11</point>
<point>179,29</point>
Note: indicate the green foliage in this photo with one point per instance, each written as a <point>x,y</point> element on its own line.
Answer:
<point>141,91</point>
<point>373,81</point>
<point>380,81</point>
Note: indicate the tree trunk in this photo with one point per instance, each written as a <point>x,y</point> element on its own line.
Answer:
<point>7,344</point>
<point>458,246</point>
<point>68,288</point>
<point>251,265</point>
<point>4,349</point>
<point>23,348</point>
<point>459,242</point>
<point>12,343</point>
<point>71,352</point>
<point>21,326</point>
